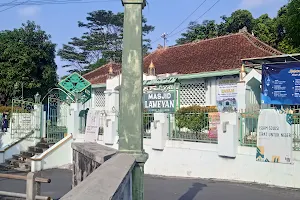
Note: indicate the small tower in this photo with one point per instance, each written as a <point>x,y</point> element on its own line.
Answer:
<point>242,73</point>
<point>151,69</point>
<point>110,72</point>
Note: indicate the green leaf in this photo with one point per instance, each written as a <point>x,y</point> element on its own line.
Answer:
<point>26,59</point>
<point>101,41</point>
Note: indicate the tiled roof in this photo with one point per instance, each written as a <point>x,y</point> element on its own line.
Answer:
<point>221,53</point>
<point>100,75</point>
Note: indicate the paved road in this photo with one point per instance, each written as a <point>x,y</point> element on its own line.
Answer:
<point>159,188</point>
<point>61,181</point>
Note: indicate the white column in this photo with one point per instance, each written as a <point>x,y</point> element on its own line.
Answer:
<point>228,135</point>
<point>213,92</point>
<point>241,96</point>
<point>93,99</point>
<point>159,131</point>
<point>111,119</point>
<point>73,121</point>
<point>44,124</point>
<point>37,121</point>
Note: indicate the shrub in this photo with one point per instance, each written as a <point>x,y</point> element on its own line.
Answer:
<point>194,118</point>
<point>5,109</point>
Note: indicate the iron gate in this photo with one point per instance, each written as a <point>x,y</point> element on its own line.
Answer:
<point>57,112</point>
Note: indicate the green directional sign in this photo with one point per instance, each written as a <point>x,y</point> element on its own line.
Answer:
<point>77,86</point>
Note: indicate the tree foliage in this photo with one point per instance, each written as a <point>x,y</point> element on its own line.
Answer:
<point>101,42</point>
<point>26,57</point>
<point>293,21</point>
<point>281,32</point>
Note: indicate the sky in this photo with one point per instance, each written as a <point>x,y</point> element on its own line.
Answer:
<point>60,21</point>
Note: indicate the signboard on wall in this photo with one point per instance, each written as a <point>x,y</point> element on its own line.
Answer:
<point>274,137</point>
<point>227,94</point>
<point>159,101</point>
<point>214,121</point>
<point>281,84</point>
<point>92,126</point>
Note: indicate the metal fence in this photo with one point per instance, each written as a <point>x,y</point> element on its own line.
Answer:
<point>195,127</point>
<point>248,128</point>
<point>24,118</point>
<point>296,131</point>
<point>148,119</point>
<point>57,119</point>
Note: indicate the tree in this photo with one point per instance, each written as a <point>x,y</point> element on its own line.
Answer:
<point>97,64</point>
<point>100,43</point>
<point>238,20</point>
<point>281,32</point>
<point>284,41</point>
<point>209,28</point>
<point>26,57</point>
<point>265,29</point>
<point>293,21</point>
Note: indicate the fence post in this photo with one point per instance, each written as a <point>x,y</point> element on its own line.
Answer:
<point>31,186</point>
<point>38,184</point>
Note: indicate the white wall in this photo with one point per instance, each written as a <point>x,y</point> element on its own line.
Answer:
<point>200,160</point>
<point>211,89</point>
<point>58,155</point>
<point>5,139</point>
<point>210,93</point>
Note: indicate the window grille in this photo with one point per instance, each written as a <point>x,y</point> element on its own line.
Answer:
<point>193,94</point>
<point>99,98</point>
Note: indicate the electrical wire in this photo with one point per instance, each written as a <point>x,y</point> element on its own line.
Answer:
<point>21,3</point>
<point>171,35</point>
<point>187,17</point>
<point>197,18</point>
<point>7,4</point>
<point>51,2</point>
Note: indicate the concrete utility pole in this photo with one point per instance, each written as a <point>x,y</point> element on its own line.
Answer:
<point>164,36</point>
<point>131,108</point>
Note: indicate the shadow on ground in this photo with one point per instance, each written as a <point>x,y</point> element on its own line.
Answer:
<point>162,188</point>
<point>193,191</point>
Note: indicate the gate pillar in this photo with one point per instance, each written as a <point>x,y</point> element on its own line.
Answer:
<point>73,121</point>
<point>38,122</point>
<point>111,120</point>
<point>159,131</point>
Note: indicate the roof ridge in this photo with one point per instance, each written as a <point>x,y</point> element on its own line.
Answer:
<point>260,44</point>
<point>196,42</point>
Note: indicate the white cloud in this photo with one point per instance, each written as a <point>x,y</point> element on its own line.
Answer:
<point>248,4</point>
<point>29,11</point>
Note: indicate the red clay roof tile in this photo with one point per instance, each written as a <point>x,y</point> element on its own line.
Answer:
<point>221,53</point>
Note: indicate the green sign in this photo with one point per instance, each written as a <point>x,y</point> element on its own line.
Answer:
<point>161,81</point>
<point>159,101</point>
<point>77,86</point>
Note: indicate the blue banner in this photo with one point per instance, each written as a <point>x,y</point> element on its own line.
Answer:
<point>281,84</point>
